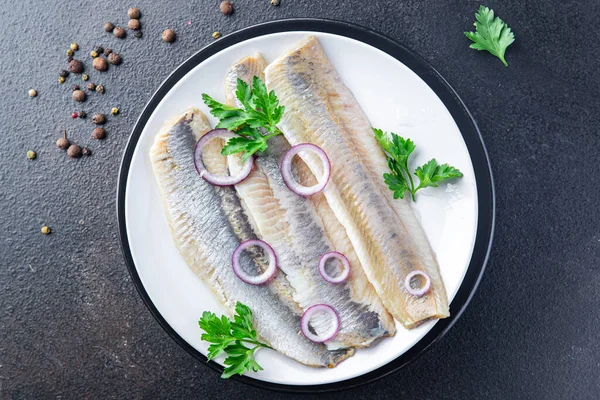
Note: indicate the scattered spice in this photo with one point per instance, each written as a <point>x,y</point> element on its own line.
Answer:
<point>98,133</point>
<point>99,49</point>
<point>74,46</point>
<point>63,73</point>
<point>275,2</point>
<point>133,13</point>
<point>70,53</point>
<point>226,7</point>
<point>61,79</point>
<point>98,119</point>
<point>91,86</point>
<point>75,87</point>
<point>32,92</point>
<point>114,58</point>
<point>114,111</point>
<point>82,114</point>
<point>93,53</point>
<point>62,143</point>
<point>99,88</point>
<point>119,32</point>
<point>134,24</point>
<point>107,51</point>
<point>45,230</point>
<point>79,95</point>
<point>31,154</point>
<point>109,26</point>
<point>76,66</point>
<point>216,35</point>
<point>100,64</point>
<point>74,115</point>
<point>74,151</point>
<point>70,58</point>
<point>138,34</point>
<point>168,35</point>
<point>86,151</point>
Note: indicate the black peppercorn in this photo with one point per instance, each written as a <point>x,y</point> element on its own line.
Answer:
<point>119,32</point>
<point>74,151</point>
<point>91,87</point>
<point>99,49</point>
<point>98,133</point>
<point>114,59</point>
<point>138,34</point>
<point>76,66</point>
<point>75,87</point>
<point>63,73</point>
<point>109,26</point>
<point>82,114</point>
<point>70,58</point>
<point>107,51</point>
<point>86,151</point>
<point>99,119</point>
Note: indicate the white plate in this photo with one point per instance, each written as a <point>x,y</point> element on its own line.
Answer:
<point>395,99</point>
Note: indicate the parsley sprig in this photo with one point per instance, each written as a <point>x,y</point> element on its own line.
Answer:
<point>491,34</point>
<point>230,337</point>
<point>261,112</point>
<point>400,179</point>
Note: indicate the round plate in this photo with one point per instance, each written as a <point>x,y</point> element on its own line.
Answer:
<point>399,92</point>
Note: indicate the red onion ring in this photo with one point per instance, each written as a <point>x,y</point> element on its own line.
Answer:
<point>288,176</point>
<point>254,279</point>
<point>307,316</point>
<point>423,289</point>
<point>219,180</point>
<point>345,272</point>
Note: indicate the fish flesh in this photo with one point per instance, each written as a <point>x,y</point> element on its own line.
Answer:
<point>297,233</point>
<point>206,240</point>
<point>386,236</point>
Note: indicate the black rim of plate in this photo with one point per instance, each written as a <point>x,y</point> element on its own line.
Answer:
<point>462,117</point>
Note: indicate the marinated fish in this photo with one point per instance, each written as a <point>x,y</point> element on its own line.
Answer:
<point>387,238</point>
<point>206,240</point>
<point>294,228</point>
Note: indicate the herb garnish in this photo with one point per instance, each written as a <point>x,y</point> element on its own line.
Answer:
<point>229,336</point>
<point>400,179</point>
<point>261,112</point>
<point>491,34</point>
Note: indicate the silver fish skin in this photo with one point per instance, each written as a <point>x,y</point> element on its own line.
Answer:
<point>202,233</point>
<point>387,238</point>
<point>293,227</point>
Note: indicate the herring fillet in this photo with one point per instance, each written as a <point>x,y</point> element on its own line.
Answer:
<point>293,227</point>
<point>305,82</point>
<point>206,240</point>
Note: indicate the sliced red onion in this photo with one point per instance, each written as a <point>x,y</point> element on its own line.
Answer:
<point>419,291</point>
<point>342,276</point>
<point>288,176</point>
<point>310,313</point>
<point>219,180</point>
<point>254,279</point>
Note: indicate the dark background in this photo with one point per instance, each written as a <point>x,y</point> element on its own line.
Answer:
<point>71,322</point>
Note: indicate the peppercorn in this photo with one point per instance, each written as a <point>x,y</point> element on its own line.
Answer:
<point>119,32</point>
<point>79,95</point>
<point>99,49</point>
<point>74,46</point>
<point>94,53</point>
<point>74,151</point>
<point>98,119</point>
<point>98,133</point>
<point>31,154</point>
<point>168,35</point>
<point>114,111</point>
<point>275,2</point>
<point>138,34</point>
<point>91,87</point>
<point>134,24</point>
<point>133,13</point>
<point>114,58</point>
<point>70,58</point>
<point>45,230</point>
<point>109,26</point>
<point>216,35</point>
<point>64,73</point>
<point>74,115</point>
<point>82,114</point>
<point>100,64</point>
<point>85,77</point>
<point>62,143</point>
<point>226,7</point>
<point>61,79</point>
<point>76,66</point>
<point>75,87</point>
<point>86,151</point>
<point>99,88</point>
<point>70,52</point>
<point>107,51</point>
<point>32,92</point>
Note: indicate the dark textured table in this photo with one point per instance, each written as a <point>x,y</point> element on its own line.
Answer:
<point>71,322</point>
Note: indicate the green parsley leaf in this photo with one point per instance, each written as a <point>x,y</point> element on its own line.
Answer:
<point>231,338</point>
<point>491,34</point>
<point>431,173</point>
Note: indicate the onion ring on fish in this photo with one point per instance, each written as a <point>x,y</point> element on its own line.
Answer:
<point>421,290</point>
<point>342,276</point>
<point>254,279</point>
<point>219,180</point>
<point>310,313</point>
<point>288,176</point>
